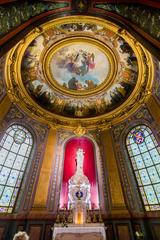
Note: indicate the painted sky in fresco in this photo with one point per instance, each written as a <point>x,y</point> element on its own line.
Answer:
<point>79,66</point>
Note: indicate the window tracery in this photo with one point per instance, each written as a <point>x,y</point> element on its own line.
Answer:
<point>144,154</point>
<point>15,150</point>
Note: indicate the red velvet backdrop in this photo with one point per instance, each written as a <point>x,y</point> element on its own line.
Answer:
<point>88,167</point>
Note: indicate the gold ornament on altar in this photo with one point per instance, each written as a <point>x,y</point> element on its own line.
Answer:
<point>70,218</point>
<point>88,219</point>
<point>80,131</point>
<point>94,218</point>
<point>58,219</point>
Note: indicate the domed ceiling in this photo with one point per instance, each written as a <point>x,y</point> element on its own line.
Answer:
<point>79,69</point>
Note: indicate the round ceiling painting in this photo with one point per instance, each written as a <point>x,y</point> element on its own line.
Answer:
<point>79,68</point>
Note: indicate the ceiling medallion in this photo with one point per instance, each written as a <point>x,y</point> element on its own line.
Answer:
<point>79,68</point>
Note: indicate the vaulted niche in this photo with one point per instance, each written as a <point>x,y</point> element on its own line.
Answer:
<point>79,174</point>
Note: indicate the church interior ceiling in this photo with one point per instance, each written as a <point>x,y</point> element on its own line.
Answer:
<point>79,69</point>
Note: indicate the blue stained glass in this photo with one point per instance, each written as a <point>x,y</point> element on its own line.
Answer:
<point>144,177</point>
<point>157,190</point>
<point>6,196</point>
<point>153,175</point>
<point>155,156</point>
<point>151,197</point>
<point>143,195</point>
<point>10,159</point>
<point>13,160</point>
<point>139,161</point>
<point>135,149</point>
<point>12,178</point>
<point>138,136</point>
<point>4,175</point>
<point>134,163</point>
<point>143,147</point>
<point>158,168</point>
<point>138,178</point>
<point>149,142</point>
<point>145,158</point>
<point>1,189</point>
<point>146,133</point>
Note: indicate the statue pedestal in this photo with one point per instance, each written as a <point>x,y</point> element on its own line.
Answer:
<point>90,231</point>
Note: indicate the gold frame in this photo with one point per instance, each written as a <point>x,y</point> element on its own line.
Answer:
<point>47,55</point>
<point>17,92</point>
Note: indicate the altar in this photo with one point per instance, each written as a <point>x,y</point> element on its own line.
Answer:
<point>77,219</point>
<point>90,231</point>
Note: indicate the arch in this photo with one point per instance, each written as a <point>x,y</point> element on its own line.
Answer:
<point>144,154</point>
<point>16,147</point>
<point>89,168</point>
<point>58,166</point>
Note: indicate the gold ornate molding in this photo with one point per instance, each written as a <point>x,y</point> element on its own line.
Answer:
<point>17,91</point>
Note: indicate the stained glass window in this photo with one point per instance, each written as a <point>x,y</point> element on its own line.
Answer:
<point>15,150</point>
<point>144,153</point>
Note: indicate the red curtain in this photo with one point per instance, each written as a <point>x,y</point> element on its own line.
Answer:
<point>89,168</point>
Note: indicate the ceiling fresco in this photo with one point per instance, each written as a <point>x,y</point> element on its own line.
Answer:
<point>79,68</point>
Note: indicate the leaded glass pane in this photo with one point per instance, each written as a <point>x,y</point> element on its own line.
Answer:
<point>145,158</point>
<point>149,142</point>
<point>135,149</point>
<point>153,174</point>
<point>19,136</point>
<point>4,175</point>
<point>158,168</point>
<point>1,189</point>
<point>151,196</point>
<point>12,178</point>
<point>6,196</point>
<point>23,149</point>
<point>157,191</point>
<point>143,195</point>
<point>139,161</point>
<point>3,155</point>
<point>155,156</point>
<point>16,146</point>
<point>143,147</point>
<point>18,163</point>
<point>10,159</point>
<point>144,177</point>
<point>8,143</point>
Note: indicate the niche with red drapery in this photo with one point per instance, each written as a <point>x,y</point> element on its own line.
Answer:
<point>89,169</point>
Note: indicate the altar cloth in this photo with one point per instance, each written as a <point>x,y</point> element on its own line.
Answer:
<point>90,231</point>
